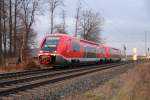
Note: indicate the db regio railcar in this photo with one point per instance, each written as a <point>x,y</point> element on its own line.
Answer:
<point>64,50</point>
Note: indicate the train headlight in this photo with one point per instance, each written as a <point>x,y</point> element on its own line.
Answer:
<point>46,54</point>
<point>41,51</point>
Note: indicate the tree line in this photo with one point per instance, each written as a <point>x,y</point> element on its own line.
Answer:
<point>16,20</point>
<point>18,16</point>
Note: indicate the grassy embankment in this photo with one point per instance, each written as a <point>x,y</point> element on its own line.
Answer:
<point>133,85</point>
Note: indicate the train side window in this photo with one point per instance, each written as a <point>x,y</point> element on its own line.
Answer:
<point>97,50</point>
<point>91,52</point>
<point>76,47</point>
<point>100,50</point>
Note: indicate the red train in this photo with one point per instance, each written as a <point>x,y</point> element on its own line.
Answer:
<point>64,50</point>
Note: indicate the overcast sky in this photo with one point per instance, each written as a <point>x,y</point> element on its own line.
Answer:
<point>126,21</point>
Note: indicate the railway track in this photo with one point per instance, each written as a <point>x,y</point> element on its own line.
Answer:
<point>24,73</point>
<point>13,83</point>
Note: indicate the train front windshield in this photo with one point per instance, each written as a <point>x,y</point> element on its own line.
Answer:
<point>51,43</point>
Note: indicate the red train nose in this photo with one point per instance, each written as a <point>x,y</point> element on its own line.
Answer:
<point>45,59</point>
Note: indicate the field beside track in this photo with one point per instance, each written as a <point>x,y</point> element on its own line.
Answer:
<point>132,85</point>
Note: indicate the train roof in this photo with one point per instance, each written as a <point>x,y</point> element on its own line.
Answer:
<point>81,40</point>
<point>105,46</point>
<point>58,34</point>
<point>89,42</point>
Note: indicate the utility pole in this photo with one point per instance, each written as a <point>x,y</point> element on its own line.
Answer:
<point>148,53</point>
<point>125,53</point>
<point>77,17</point>
<point>146,44</point>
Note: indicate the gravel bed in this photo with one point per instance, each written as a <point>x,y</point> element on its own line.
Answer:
<point>69,87</point>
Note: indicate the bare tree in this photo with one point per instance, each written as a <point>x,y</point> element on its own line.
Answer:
<point>53,4</point>
<point>0,31</point>
<point>64,21</point>
<point>4,30</point>
<point>61,28</point>
<point>90,24</point>
<point>16,20</point>
<point>10,26</point>
<point>17,7</point>
<point>0,27</point>
<point>77,18</point>
<point>29,9</point>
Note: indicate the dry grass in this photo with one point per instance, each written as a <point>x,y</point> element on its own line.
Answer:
<point>137,86</point>
<point>26,65</point>
<point>133,85</point>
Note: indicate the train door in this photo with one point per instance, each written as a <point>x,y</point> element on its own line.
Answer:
<point>68,48</point>
<point>75,49</point>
